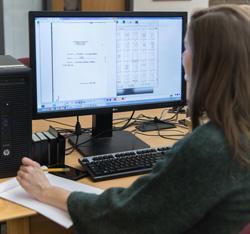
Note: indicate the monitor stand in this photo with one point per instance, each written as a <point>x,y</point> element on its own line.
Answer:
<point>104,140</point>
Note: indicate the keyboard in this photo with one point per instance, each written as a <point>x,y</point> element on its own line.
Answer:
<point>120,164</point>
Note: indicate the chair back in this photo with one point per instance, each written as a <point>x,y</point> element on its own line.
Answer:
<point>25,61</point>
<point>246,229</point>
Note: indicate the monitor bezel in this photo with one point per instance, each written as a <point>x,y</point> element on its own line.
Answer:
<point>102,110</point>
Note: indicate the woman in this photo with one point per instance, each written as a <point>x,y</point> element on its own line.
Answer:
<point>205,188</point>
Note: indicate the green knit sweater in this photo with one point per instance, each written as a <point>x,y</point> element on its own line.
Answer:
<point>200,190</point>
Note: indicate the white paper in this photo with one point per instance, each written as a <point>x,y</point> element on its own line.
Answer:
<point>11,190</point>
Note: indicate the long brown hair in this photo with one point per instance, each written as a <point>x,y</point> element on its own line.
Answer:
<point>219,38</point>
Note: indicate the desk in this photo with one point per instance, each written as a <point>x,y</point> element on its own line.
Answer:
<point>21,220</point>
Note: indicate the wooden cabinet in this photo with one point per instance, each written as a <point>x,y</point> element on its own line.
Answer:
<point>57,5</point>
<point>103,5</point>
<point>94,5</point>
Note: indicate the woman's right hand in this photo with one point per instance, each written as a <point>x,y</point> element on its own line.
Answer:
<point>31,177</point>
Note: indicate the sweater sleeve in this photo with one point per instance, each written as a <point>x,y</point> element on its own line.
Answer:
<point>175,196</point>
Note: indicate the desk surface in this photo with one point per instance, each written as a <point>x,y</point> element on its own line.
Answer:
<point>9,210</point>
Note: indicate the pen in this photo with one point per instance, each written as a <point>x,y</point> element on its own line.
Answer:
<point>55,169</point>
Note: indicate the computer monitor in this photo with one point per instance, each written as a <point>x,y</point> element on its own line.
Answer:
<point>103,62</point>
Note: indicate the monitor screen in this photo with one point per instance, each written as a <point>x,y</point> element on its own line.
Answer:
<point>86,62</point>
<point>104,62</point>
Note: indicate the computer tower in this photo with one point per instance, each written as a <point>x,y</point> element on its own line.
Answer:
<point>15,115</point>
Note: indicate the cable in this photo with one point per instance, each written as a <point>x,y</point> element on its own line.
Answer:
<point>129,122</point>
<point>169,137</point>
<point>126,124</point>
<point>57,122</point>
<point>77,132</point>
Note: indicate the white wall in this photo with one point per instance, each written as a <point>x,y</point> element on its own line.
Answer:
<point>168,5</point>
<point>16,36</point>
<point>16,19</point>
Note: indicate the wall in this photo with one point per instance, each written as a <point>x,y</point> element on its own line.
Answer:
<point>1,28</point>
<point>151,5</point>
<point>216,2</point>
<point>16,18</point>
<point>16,36</point>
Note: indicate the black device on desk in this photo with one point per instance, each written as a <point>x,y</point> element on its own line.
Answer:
<point>126,163</point>
<point>109,62</point>
<point>70,172</point>
<point>48,147</point>
<point>15,114</point>
<point>153,125</point>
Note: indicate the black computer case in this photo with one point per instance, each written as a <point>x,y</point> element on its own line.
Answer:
<point>15,115</point>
